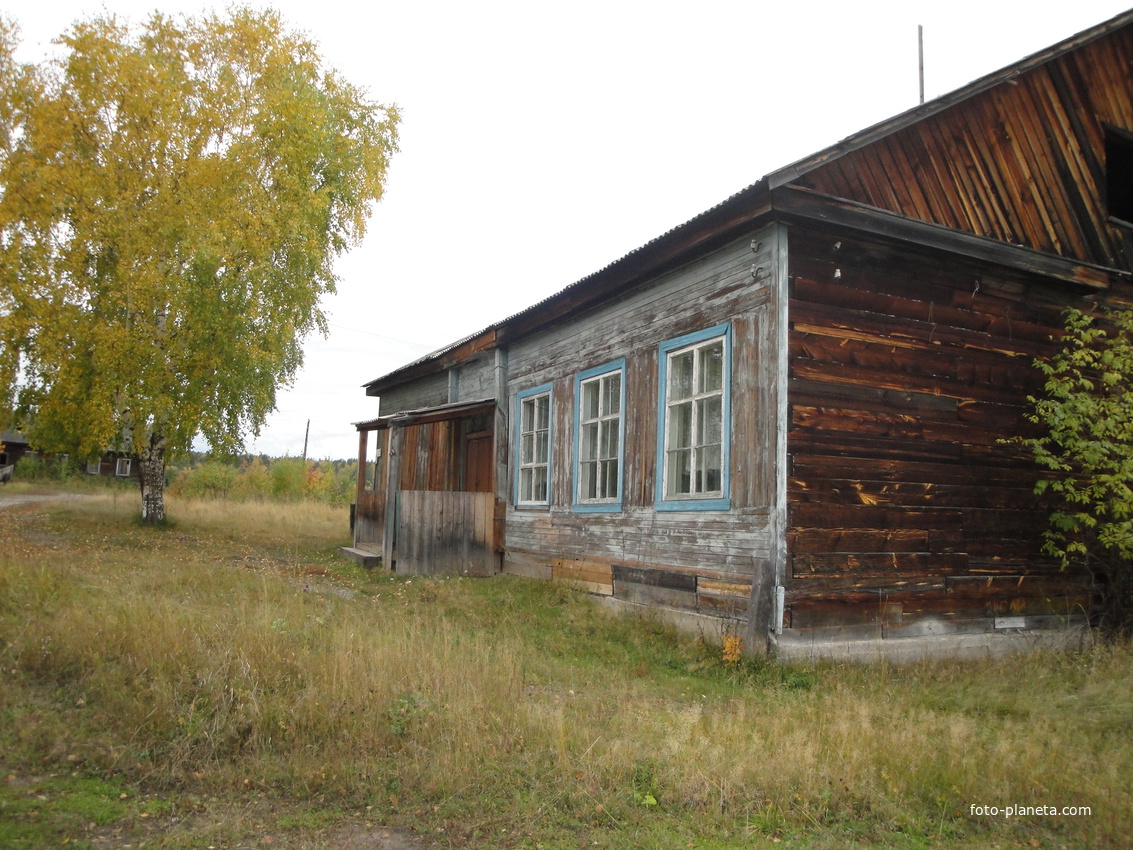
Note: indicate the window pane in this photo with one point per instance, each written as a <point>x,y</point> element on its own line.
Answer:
<point>527,416</point>
<point>527,448</point>
<point>680,376</point>
<point>612,390</point>
<point>590,396</point>
<point>587,485</point>
<point>540,494</point>
<point>709,420</point>
<point>609,479</point>
<point>542,407</point>
<point>541,446</point>
<point>679,472</point>
<point>525,478</point>
<point>588,442</point>
<point>610,438</point>
<point>711,367</point>
<point>709,474</point>
<point>680,425</point>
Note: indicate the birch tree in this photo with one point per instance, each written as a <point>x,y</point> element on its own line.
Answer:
<point>173,198</point>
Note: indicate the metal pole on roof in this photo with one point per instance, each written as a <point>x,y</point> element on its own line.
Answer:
<point>920,57</point>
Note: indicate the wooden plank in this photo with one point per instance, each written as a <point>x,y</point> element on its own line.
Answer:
<point>734,607</point>
<point>393,477</point>
<point>864,589</point>
<point>529,564</point>
<point>664,597</point>
<point>596,577</point>
<point>854,492</point>
<point>811,515</point>
<point>445,533</point>
<point>879,563</point>
<point>705,586</point>
<point>808,540</point>
<point>880,425</point>
<point>814,614</point>
<point>809,467</point>
<point>983,326</point>
<point>951,606</point>
<point>655,577</point>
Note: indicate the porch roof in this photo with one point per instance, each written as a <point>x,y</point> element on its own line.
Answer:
<point>439,413</point>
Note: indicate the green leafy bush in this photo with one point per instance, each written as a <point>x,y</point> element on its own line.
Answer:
<point>1087,413</point>
<point>214,480</point>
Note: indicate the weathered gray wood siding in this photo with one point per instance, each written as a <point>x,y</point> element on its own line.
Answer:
<point>445,533</point>
<point>476,380</point>
<point>428,391</point>
<point>700,560</point>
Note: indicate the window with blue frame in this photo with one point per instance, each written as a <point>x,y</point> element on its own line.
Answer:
<point>533,447</point>
<point>694,426</point>
<point>599,398</point>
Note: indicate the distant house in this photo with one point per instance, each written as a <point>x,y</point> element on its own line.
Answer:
<point>13,446</point>
<point>781,417</point>
<point>113,463</point>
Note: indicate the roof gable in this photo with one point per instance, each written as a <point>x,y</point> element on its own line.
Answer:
<point>1018,157</point>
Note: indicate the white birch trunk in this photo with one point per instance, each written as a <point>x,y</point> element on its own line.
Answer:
<point>151,476</point>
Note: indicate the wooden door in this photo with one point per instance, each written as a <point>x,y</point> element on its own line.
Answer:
<point>478,463</point>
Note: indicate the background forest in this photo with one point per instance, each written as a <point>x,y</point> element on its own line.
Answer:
<point>200,475</point>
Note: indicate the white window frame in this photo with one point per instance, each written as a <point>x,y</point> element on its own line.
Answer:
<point>527,468</point>
<point>94,467</point>
<point>717,499</point>
<point>605,423</point>
<point>122,471</point>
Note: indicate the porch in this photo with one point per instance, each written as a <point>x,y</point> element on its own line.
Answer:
<point>427,501</point>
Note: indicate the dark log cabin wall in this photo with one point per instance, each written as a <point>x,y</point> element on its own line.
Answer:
<point>700,561</point>
<point>905,370</point>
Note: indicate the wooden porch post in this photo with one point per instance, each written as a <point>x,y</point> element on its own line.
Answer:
<point>363,436</point>
<point>393,484</point>
<point>500,453</point>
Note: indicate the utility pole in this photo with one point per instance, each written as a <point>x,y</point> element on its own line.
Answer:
<point>920,57</point>
<point>306,434</point>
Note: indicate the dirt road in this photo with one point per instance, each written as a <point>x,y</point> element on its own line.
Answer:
<point>8,501</point>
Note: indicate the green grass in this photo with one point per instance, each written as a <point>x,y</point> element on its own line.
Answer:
<point>238,682</point>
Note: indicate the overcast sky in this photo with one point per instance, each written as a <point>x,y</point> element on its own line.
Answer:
<point>540,142</point>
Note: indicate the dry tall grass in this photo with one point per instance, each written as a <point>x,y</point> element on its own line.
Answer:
<point>175,657</point>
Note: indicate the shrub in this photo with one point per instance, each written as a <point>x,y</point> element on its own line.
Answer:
<point>212,480</point>
<point>1087,411</point>
<point>288,478</point>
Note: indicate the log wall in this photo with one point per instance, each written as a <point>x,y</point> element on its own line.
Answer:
<point>904,373</point>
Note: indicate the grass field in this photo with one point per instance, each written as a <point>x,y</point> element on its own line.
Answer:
<point>229,681</point>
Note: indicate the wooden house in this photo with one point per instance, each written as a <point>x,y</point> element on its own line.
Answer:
<point>782,418</point>
<point>13,446</point>
<point>116,464</point>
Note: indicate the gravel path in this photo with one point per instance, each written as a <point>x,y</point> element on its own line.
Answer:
<point>7,501</point>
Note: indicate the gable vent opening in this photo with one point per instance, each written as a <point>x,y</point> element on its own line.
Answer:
<point>1119,175</point>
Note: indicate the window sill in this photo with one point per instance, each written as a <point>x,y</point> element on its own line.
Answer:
<point>719,504</point>
<point>597,508</point>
